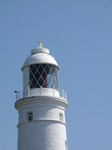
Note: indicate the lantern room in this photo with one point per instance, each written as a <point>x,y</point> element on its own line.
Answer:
<point>40,74</point>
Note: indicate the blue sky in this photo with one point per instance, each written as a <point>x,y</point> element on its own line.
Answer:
<point>78,34</point>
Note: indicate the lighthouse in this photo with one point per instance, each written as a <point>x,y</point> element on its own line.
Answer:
<point>41,105</point>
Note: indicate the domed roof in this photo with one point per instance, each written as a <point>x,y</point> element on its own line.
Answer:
<point>40,55</point>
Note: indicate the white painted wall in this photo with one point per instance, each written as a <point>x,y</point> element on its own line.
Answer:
<point>46,131</point>
<point>42,135</point>
<point>41,113</point>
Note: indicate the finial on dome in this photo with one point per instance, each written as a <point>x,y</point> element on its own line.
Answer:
<point>40,44</point>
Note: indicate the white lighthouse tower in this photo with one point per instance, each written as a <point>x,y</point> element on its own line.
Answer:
<point>41,107</point>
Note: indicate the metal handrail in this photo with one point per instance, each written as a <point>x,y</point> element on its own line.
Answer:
<point>62,94</point>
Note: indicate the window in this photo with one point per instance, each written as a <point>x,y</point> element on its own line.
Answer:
<point>61,117</point>
<point>43,75</point>
<point>30,116</point>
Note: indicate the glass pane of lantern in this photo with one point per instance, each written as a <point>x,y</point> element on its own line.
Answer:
<point>43,75</point>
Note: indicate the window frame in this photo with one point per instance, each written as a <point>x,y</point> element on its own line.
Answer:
<point>61,118</point>
<point>29,116</point>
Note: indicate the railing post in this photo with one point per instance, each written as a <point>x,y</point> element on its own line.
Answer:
<point>62,93</point>
<point>19,95</point>
<point>53,91</point>
<point>28,92</point>
<point>16,96</point>
<point>40,90</point>
<point>65,95</point>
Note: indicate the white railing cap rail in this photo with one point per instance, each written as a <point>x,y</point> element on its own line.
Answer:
<point>62,94</point>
